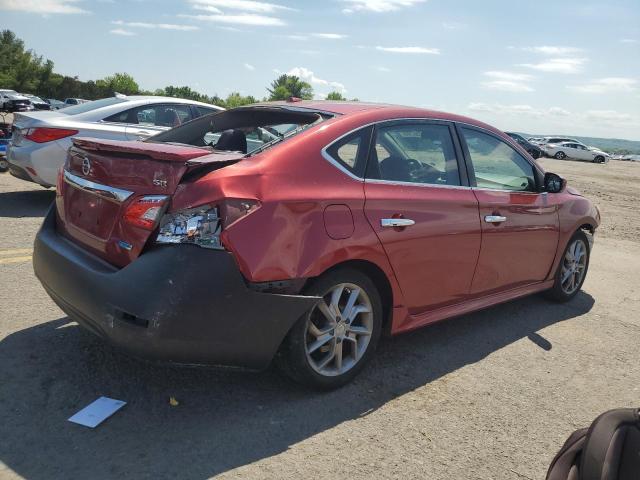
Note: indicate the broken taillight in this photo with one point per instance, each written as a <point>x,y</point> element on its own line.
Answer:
<point>146,211</point>
<point>203,225</point>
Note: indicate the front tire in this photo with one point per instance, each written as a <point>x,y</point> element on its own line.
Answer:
<point>560,156</point>
<point>599,159</point>
<point>331,343</point>
<point>572,270</point>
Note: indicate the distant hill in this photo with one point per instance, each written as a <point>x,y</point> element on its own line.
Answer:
<point>609,145</point>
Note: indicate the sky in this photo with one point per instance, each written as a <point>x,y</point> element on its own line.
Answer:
<point>541,67</point>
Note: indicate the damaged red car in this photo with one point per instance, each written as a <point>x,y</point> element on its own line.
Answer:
<point>301,231</point>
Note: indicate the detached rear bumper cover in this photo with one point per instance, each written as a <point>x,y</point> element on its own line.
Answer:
<point>181,303</point>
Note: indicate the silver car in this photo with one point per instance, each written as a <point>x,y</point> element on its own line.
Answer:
<point>41,139</point>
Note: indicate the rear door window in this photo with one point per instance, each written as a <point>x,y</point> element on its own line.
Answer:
<point>167,115</point>
<point>415,153</point>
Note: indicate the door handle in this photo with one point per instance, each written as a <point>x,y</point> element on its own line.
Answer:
<point>494,219</point>
<point>396,222</point>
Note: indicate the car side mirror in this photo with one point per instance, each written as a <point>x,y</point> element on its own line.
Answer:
<point>554,183</point>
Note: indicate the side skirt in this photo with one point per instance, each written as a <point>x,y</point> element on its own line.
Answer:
<point>443,313</point>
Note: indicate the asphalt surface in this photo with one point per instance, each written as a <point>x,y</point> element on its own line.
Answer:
<point>491,395</point>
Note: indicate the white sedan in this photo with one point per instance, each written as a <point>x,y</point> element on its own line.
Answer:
<point>41,139</point>
<point>576,151</point>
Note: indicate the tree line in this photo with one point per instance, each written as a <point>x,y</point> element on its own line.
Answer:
<point>24,71</point>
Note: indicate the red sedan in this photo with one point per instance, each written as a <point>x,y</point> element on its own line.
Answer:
<point>301,231</point>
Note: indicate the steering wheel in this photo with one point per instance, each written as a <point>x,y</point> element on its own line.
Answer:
<point>424,172</point>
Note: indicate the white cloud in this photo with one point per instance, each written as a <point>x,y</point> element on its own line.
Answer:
<point>43,7</point>
<point>414,50</point>
<point>160,26</point>
<point>559,112</point>
<point>609,116</point>
<point>241,19</point>
<point>123,32</point>
<point>308,76</point>
<point>507,86</point>
<point>553,50</point>
<point>249,67</point>
<point>628,40</point>
<point>383,69</point>
<point>453,25</point>
<point>515,77</point>
<point>508,81</point>
<point>505,109</point>
<point>301,38</point>
<point>214,6</point>
<point>329,36</point>
<point>607,85</point>
<point>378,6</point>
<point>557,65</point>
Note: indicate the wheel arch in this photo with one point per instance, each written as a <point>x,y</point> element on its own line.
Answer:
<point>379,279</point>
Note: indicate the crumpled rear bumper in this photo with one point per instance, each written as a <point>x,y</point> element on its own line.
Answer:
<point>181,303</point>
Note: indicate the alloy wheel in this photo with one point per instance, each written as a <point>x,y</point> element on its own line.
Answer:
<point>339,330</point>
<point>574,266</point>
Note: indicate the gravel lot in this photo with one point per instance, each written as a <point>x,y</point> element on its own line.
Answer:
<point>490,395</point>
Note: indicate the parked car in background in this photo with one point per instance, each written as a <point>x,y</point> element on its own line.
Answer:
<point>4,165</point>
<point>546,140</point>
<point>41,139</point>
<point>534,150</point>
<point>4,97</point>
<point>37,102</point>
<point>74,101</point>
<point>576,151</point>
<point>244,258</point>
<point>16,103</point>
<point>55,104</point>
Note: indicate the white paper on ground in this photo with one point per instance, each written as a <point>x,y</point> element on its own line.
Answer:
<point>97,412</point>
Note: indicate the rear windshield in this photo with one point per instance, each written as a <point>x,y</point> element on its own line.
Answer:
<point>88,106</point>
<point>246,130</point>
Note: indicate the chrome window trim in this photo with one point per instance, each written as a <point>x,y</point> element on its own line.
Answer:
<point>112,194</point>
<point>486,189</point>
<point>416,184</point>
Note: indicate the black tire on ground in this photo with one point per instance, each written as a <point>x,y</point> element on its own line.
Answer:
<point>292,357</point>
<point>4,166</point>
<point>557,293</point>
<point>560,155</point>
<point>599,159</point>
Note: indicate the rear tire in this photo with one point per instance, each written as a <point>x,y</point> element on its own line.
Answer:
<point>560,155</point>
<point>331,343</point>
<point>572,269</point>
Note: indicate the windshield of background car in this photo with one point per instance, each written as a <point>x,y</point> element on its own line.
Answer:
<point>247,130</point>
<point>88,106</point>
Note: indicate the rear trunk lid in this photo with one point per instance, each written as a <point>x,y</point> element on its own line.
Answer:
<point>102,178</point>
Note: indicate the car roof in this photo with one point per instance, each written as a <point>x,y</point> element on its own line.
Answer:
<point>394,111</point>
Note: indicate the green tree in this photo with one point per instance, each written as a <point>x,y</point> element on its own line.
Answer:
<point>19,68</point>
<point>335,96</point>
<point>234,99</point>
<point>286,86</point>
<point>118,83</point>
